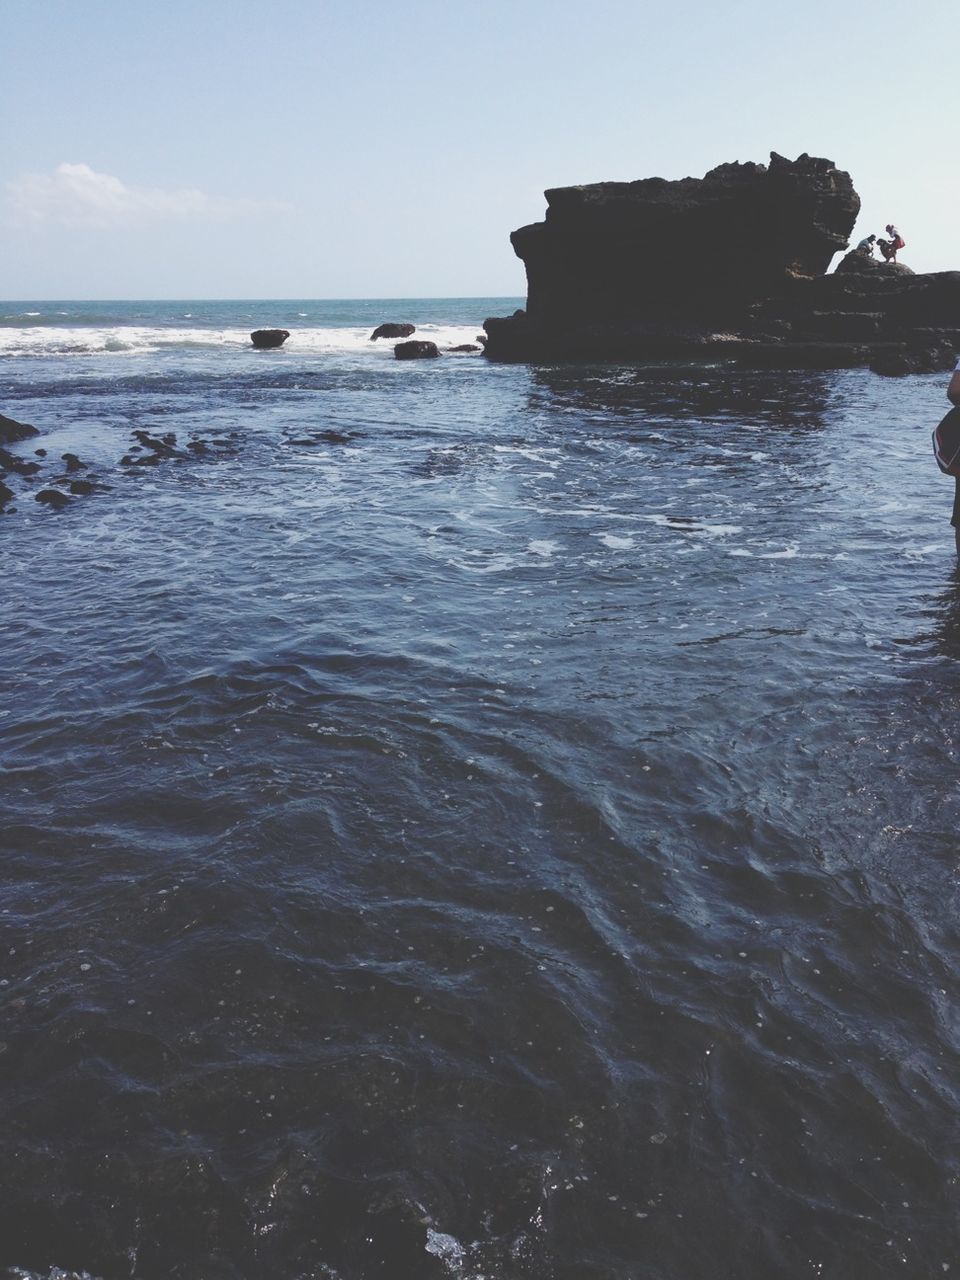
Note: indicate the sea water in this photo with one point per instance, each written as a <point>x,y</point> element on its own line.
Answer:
<point>467,820</point>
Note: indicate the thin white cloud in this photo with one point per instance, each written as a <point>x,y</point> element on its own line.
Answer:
<point>76,195</point>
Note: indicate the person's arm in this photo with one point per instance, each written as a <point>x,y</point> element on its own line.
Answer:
<point>953,388</point>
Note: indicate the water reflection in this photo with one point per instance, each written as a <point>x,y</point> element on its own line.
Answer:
<point>799,400</point>
<point>942,636</point>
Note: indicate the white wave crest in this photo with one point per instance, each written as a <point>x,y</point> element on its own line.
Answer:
<point>140,340</point>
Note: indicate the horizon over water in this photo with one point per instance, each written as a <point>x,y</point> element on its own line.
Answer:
<point>469,821</point>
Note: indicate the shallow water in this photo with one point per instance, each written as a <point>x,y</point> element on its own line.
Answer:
<point>512,836</point>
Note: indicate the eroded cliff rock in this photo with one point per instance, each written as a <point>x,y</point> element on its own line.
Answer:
<point>732,264</point>
<point>619,249</point>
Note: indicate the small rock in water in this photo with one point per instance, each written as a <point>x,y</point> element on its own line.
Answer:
<point>73,462</point>
<point>53,498</point>
<point>416,350</point>
<point>392,331</point>
<point>264,339</point>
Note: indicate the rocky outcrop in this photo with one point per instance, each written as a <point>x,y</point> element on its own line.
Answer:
<point>416,350</point>
<point>624,249</point>
<point>393,331</point>
<point>11,430</point>
<point>731,266</point>
<point>264,339</point>
<point>858,261</point>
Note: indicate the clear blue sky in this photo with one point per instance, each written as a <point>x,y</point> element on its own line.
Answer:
<point>325,148</point>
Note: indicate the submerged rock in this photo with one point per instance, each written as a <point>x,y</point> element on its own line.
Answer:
<point>393,331</point>
<point>266,338</point>
<point>163,446</point>
<point>416,350</point>
<point>10,462</point>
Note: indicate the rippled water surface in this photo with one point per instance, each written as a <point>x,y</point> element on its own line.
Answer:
<point>474,821</point>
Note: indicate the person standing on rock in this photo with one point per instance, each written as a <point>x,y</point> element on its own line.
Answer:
<point>889,247</point>
<point>953,395</point>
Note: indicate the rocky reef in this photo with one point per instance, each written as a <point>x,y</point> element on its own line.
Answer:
<point>731,265</point>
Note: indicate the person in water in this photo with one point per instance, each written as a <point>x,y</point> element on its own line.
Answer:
<point>953,395</point>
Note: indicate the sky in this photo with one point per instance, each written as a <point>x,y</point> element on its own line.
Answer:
<point>334,149</point>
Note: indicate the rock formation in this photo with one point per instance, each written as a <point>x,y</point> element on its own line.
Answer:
<point>393,331</point>
<point>263,339</point>
<point>730,265</point>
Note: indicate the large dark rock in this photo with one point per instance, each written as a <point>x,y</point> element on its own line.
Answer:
<point>393,331</point>
<point>416,350</point>
<point>731,265</point>
<point>266,338</point>
<point>624,249</point>
<point>11,430</point>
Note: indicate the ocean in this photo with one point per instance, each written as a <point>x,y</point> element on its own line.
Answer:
<point>468,821</point>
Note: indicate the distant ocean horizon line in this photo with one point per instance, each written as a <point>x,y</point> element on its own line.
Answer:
<point>372,297</point>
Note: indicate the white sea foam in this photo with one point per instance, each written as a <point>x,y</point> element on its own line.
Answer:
<point>444,1246</point>
<point>143,339</point>
<point>683,524</point>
